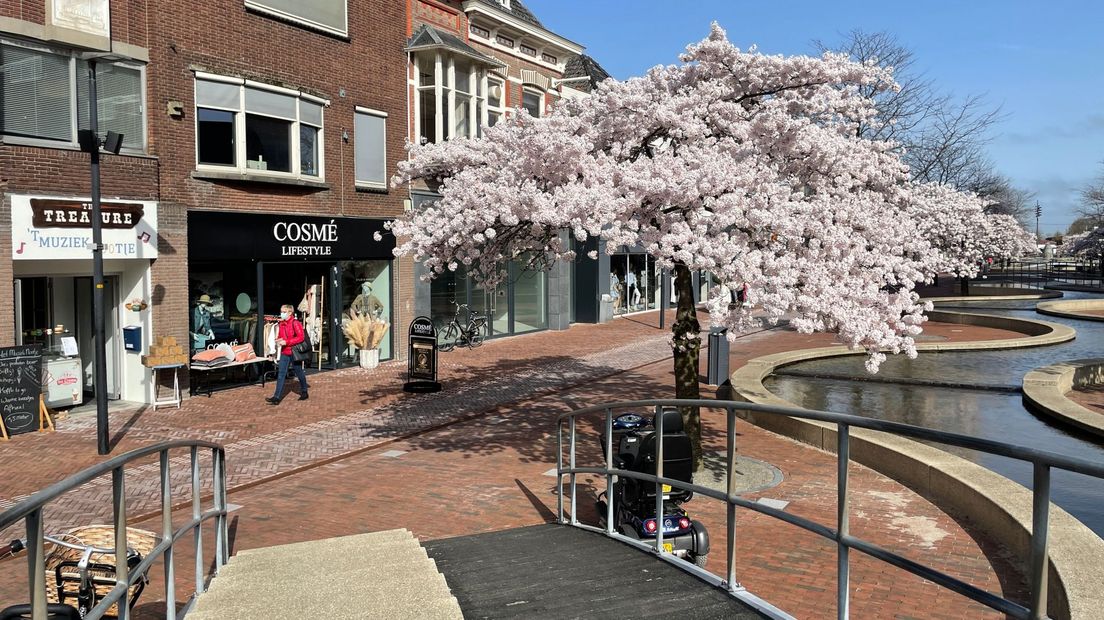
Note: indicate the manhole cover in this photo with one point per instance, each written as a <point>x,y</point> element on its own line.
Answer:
<point>751,474</point>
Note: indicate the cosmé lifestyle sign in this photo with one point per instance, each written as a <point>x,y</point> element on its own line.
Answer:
<point>275,237</point>
<point>45,227</point>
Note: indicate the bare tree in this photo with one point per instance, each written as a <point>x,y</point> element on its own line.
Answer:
<point>941,139</point>
<point>1092,201</point>
<point>1001,196</point>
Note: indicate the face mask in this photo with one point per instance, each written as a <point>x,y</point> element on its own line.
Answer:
<point>285,316</point>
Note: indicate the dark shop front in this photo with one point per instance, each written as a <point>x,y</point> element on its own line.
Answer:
<point>242,267</point>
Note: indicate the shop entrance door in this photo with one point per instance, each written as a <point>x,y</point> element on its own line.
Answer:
<point>85,340</point>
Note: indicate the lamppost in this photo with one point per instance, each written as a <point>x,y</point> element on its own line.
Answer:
<point>1038,214</point>
<point>90,143</point>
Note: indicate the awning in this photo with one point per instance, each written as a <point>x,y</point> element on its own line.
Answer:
<point>429,38</point>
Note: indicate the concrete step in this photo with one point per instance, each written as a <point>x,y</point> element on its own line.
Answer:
<point>375,575</point>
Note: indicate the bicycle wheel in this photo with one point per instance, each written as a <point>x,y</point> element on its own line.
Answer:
<point>477,333</point>
<point>446,340</point>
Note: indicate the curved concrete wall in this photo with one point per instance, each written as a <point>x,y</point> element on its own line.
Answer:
<point>999,293</point>
<point>1073,309</point>
<point>995,503</point>
<point>1045,389</point>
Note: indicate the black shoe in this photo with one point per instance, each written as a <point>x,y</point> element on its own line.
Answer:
<point>272,400</point>
<point>304,396</point>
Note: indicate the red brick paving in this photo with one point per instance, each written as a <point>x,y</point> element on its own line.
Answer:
<point>372,492</point>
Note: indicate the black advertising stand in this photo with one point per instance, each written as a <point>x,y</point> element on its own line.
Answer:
<point>421,371</point>
<point>20,389</point>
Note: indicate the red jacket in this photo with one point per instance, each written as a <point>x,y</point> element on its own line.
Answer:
<point>291,332</point>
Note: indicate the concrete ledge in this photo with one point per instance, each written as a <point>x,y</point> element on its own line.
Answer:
<point>1073,309</point>
<point>993,502</point>
<point>993,293</point>
<point>1045,389</point>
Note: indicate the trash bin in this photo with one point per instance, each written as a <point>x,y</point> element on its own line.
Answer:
<point>717,372</point>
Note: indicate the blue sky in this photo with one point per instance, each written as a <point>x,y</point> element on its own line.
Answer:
<point>1041,61</point>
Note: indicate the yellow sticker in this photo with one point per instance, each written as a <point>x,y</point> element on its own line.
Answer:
<point>666,488</point>
<point>668,547</point>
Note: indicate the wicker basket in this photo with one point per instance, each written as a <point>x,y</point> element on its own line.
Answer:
<point>102,536</point>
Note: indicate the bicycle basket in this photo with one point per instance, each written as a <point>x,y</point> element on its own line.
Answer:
<point>67,579</point>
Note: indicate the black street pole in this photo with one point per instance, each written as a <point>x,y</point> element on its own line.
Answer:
<point>100,343</point>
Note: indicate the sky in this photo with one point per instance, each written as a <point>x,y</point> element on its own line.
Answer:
<point>1041,62</point>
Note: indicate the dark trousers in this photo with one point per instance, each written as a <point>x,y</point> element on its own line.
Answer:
<point>281,376</point>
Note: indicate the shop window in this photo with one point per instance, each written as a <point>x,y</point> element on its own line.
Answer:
<point>38,89</point>
<point>370,137</point>
<point>258,129</point>
<point>531,101</point>
<point>366,292</point>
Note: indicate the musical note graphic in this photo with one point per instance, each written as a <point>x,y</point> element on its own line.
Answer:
<point>22,244</point>
<point>145,237</point>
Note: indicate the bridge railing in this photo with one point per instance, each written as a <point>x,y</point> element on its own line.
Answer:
<point>1042,461</point>
<point>31,512</point>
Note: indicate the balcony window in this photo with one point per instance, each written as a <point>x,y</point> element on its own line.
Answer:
<point>44,97</point>
<point>257,129</point>
<point>451,99</point>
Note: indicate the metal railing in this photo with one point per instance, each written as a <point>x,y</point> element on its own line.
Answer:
<point>31,512</point>
<point>1042,461</point>
<point>1043,272</point>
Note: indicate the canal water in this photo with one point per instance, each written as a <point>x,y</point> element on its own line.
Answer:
<point>981,412</point>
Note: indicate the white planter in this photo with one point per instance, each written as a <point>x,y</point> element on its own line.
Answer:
<point>369,358</point>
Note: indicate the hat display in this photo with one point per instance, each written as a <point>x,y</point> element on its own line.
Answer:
<point>204,299</point>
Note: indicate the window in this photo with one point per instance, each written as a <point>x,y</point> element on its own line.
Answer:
<point>480,32</point>
<point>495,108</point>
<point>549,58</point>
<point>505,41</point>
<point>528,51</point>
<point>257,128</point>
<point>531,100</point>
<point>44,96</point>
<point>370,140</point>
<point>326,15</point>
<point>452,98</point>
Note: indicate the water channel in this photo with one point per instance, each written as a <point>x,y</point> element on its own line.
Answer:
<point>990,410</point>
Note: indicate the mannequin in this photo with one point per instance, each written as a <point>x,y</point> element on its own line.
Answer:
<point>366,304</point>
<point>201,323</point>
<point>615,292</point>
<point>632,284</point>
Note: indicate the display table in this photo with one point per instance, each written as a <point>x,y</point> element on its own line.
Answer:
<point>202,374</point>
<point>173,400</point>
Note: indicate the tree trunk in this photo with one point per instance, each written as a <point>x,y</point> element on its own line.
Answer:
<point>687,351</point>
<point>965,289</point>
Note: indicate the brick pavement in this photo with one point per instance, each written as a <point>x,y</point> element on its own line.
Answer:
<point>1090,397</point>
<point>500,373</point>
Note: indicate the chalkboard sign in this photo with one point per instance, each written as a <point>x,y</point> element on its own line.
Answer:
<point>20,387</point>
<point>422,357</point>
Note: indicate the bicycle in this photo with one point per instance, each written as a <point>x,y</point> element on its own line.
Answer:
<point>471,335</point>
<point>87,580</point>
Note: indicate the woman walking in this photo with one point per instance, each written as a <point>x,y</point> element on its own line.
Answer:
<point>290,334</point>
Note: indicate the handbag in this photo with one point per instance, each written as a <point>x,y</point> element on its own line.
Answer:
<point>302,351</point>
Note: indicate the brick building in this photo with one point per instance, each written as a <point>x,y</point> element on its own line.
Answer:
<point>471,64</point>
<point>259,138</point>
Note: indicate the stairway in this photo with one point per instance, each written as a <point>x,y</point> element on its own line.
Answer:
<point>376,575</point>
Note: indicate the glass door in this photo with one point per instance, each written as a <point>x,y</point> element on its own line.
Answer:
<point>85,334</point>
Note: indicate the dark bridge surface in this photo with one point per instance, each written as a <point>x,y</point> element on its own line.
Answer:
<point>556,571</point>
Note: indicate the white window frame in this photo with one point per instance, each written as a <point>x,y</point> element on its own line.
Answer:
<point>445,92</point>
<point>261,7</point>
<point>532,91</point>
<point>240,166</point>
<point>74,112</point>
<point>500,110</point>
<point>380,114</point>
